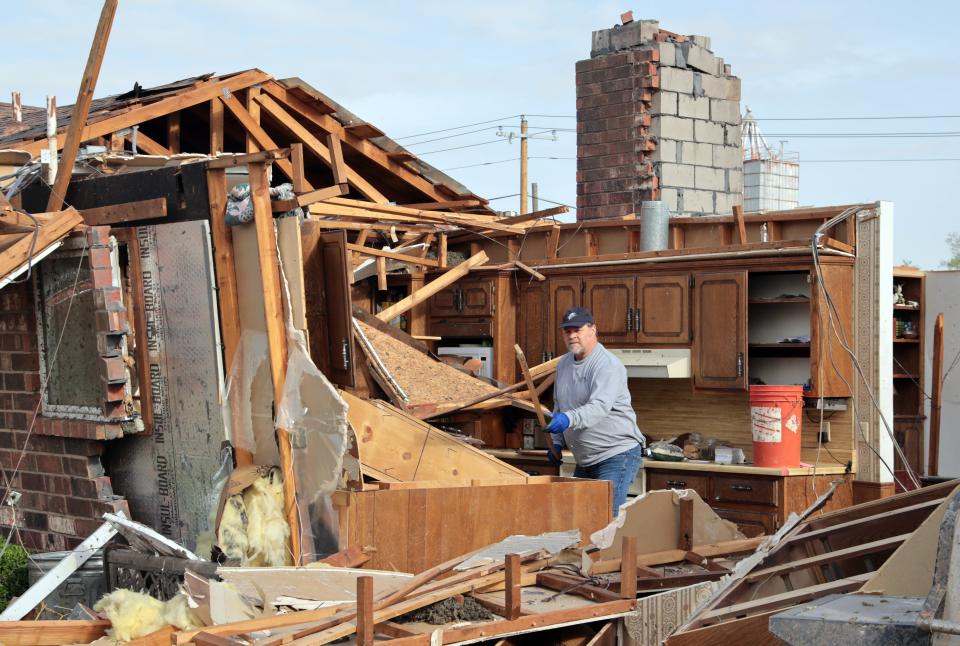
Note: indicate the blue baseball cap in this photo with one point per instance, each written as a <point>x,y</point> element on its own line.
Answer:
<point>576,317</point>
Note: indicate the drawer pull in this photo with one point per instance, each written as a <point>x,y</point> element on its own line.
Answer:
<point>677,484</point>
<point>741,487</point>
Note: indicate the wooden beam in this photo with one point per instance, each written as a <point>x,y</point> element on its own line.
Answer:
<point>431,288</point>
<point>399,257</point>
<point>81,109</point>
<point>365,630</point>
<point>315,146</point>
<point>216,127</point>
<point>259,135</point>
<point>741,225</point>
<point>553,241</point>
<point>19,253</point>
<point>232,160</point>
<point>366,148</point>
<point>835,556</point>
<point>128,212</point>
<point>676,237</point>
<point>311,197</point>
<point>458,219</point>
<point>628,568</point>
<point>253,108</point>
<point>276,336</point>
<point>530,270</point>
<point>447,205</point>
<point>936,397</point>
<point>227,298</point>
<point>116,142</point>
<point>337,165</point>
<point>49,632</point>
<point>442,251</point>
<point>532,389</point>
<point>513,591</point>
<point>173,132</point>
<point>149,146</point>
<point>296,160</point>
<point>536,215</point>
<point>381,263</point>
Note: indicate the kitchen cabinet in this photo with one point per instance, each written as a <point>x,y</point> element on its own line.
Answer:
<point>758,504</point>
<point>565,293</point>
<point>611,300</point>
<point>662,310</point>
<point>466,298</point>
<point>532,333</point>
<point>719,354</point>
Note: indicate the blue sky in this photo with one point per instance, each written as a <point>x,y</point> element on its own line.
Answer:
<point>414,67</point>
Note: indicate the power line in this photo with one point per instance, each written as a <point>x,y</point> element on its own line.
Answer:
<point>860,161</point>
<point>862,135</point>
<point>469,125</point>
<point>503,161</point>
<point>482,143</point>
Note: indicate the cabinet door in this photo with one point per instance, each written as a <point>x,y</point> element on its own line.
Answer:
<point>564,294</point>
<point>446,302</point>
<point>532,321</point>
<point>834,364</point>
<point>720,330</point>
<point>663,309</point>
<point>476,298</point>
<point>336,288</point>
<point>612,301</point>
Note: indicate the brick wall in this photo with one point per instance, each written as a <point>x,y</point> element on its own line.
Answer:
<point>60,476</point>
<point>658,118</point>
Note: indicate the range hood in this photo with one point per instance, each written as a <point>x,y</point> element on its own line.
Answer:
<point>661,363</point>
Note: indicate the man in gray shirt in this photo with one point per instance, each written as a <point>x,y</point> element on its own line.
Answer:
<point>592,409</point>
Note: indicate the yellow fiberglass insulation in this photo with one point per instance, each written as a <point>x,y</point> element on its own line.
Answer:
<point>267,530</point>
<point>253,528</point>
<point>134,614</point>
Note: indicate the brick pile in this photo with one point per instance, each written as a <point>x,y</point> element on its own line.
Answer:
<point>658,118</point>
<point>64,490</point>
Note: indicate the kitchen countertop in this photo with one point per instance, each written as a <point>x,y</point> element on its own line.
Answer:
<point>746,469</point>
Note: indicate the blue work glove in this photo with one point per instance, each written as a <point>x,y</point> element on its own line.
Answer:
<point>552,454</point>
<point>558,424</point>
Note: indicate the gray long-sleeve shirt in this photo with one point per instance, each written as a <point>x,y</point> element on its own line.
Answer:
<point>594,395</point>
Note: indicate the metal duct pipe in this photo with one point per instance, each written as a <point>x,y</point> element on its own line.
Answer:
<point>654,226</point>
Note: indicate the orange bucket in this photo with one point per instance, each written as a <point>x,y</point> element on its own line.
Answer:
<point>776,414</point>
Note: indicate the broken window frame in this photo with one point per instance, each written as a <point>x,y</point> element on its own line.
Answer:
<point>73,248</point>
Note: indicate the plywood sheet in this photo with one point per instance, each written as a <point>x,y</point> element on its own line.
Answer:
<point>317,584</point>
<point>654,518</point>
<point>403,447</point>
<point>422,379</point>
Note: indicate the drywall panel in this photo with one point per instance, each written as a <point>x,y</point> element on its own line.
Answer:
<point>943,295</point>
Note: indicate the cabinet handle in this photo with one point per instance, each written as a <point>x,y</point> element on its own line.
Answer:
<point>629,319</point>
<point>739,364</point>
<point>741,487</point>
<point>345,351</point>
<point>677,484</point>
<point>460,300</point>
<point>543,357</point>
<point>636,319</point>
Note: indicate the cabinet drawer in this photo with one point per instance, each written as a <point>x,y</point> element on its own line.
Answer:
<point>461,327</point>
<point>678,480</point>
<point>754,491</point>
<point>536,467</point>
<point>751,523</point>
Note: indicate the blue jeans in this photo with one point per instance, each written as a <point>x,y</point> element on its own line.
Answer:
<point>620,469</point>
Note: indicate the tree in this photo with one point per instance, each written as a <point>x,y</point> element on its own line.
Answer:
<point>953,241</point>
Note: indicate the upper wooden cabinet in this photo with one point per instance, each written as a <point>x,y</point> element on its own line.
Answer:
<point>532,335</point>
<point>564,294</point>
<point>662,312</point>
<point>466,298</point>
<point>720,330</point>
<point>612,300</point>
<point>831,367</point>
<point>630,310</point>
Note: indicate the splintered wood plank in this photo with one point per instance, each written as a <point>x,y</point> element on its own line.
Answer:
<point>58,227</point>
<point>365,631</point>
<point>531,388</point>
<point>52,632</point>
<point>512,598</point>
<point>81,109</point>
<point>383,253</point>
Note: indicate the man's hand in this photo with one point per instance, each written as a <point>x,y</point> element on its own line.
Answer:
<point>558,424</point>
<point>552,455</point>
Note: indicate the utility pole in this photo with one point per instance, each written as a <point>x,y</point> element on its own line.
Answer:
<point>523,165</point>
<point>534,195</point>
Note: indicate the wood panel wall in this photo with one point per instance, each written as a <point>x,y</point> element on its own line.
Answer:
<point>668,407</point>
<point>414,529</point>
